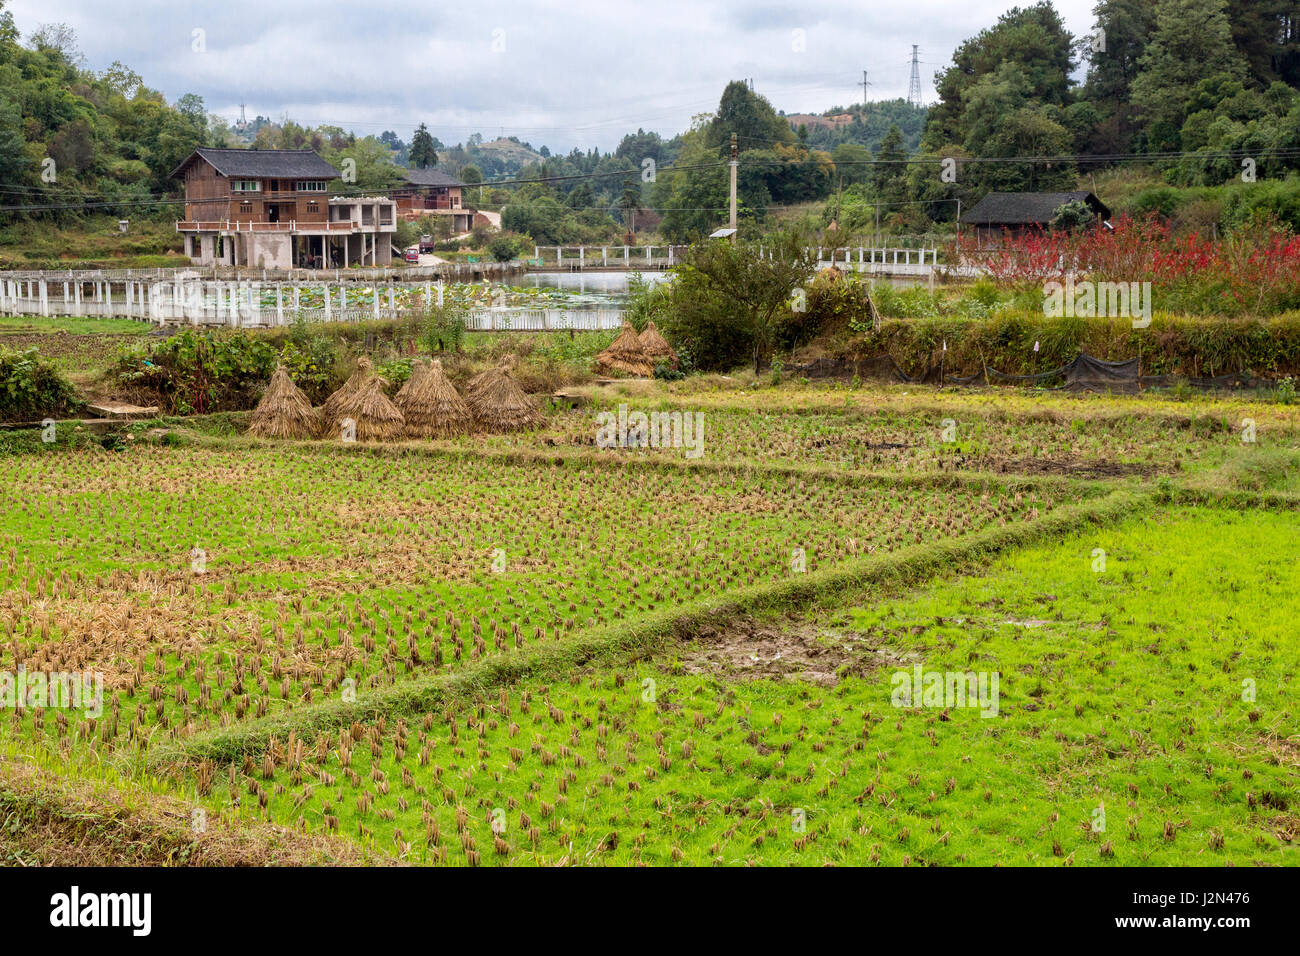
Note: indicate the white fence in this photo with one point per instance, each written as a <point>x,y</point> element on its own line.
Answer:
<point>258,304</point>
<point>883,261</point>
<point>894,262</point>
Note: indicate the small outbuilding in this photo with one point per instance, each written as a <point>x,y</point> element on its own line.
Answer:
<point>1014,214</point>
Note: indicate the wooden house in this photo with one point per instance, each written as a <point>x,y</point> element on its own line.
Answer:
<point>429,192</point>
<point>1015,214</point>
<point>270,208</point>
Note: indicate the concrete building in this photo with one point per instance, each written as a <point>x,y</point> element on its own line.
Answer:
<point>269,208</point>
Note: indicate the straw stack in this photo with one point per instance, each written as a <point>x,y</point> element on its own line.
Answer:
<point>365,370</point>
<point>284,411</point>
<point>508,361</point>
<point>499,404</point>
<point>375,417</point>
<point>430,404</point>
<point>625,354</point>
<point>656,347</point>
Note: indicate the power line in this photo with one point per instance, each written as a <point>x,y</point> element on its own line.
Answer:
<point>1288,153</point>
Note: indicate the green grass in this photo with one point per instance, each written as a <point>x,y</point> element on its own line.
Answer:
<point>71,324</point>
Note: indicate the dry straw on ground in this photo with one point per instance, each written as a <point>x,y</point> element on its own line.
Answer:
<point>656,347</point>
<point>374,416</point>
<point>431,405</point>
<point>284,411</point>
<point>498,403</point>
<point>625,354</point>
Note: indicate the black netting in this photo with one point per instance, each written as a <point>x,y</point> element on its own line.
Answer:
<point>1085,373</point>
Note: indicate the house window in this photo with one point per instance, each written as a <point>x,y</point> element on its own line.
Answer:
<point>311,186</point>
<point>313,206</point>
<point>245,185</point>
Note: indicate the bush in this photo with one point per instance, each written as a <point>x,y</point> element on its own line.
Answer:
<point>199,371</point>
<point>646,302</point>
<point>729,302</point>
<point>1173,345</point>
<point>32,388</point>
<point>442,327</point>
<point>835,302</point>
<point>312,358</point>
<point>507,246</point>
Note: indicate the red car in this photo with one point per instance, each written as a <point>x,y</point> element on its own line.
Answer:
<point>413,254</point>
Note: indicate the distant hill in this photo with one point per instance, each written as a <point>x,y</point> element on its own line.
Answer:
<point>865,125</point>
<point>496,158</point>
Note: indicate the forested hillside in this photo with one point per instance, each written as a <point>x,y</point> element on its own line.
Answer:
<point>1190,108</point>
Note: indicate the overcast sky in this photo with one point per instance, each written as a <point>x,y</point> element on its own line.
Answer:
<point>564,74</point>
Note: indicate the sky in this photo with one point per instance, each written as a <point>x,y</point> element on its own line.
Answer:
<point>577,73</point>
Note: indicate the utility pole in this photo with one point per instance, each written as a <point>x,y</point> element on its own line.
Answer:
<point>733,164</point>
<point>864,86</point>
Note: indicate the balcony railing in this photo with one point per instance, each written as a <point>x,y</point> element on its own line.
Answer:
<point>229,225</point>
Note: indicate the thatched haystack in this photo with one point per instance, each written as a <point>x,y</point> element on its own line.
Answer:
<point>284,411</point>
<point>375,417</point>
<point>625,354</point>
<point>499,404</point>
<point>365,370</point>
<point>508,361</point>
<point>431,405</point>
<point>656,347</point>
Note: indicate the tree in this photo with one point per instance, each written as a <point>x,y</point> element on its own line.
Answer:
<point>60,40</point>
<point>1192,42</point>
<point>1267,32</point>
<point>889,175</point>
<point>1032,40</point>
<point>852,163</point>
<point>424,152</point>
<point>751,117</point>
<point>630,203</point>
<point>1123,29</point>
<point>744,288</point>
<point>471,175</point>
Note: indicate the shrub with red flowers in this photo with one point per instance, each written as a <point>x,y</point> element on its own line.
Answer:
<point>1255,271</point>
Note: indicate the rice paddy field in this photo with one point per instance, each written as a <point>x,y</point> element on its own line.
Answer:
<point>526,649</point>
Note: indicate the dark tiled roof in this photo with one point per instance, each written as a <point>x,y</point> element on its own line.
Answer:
<point>430,177</point>
<point>1018,209</point>
<point>257,163</point>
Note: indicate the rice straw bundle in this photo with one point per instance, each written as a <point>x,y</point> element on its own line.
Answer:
<point>508,361</point>
<point>375,417</point>
<point>499,404</point>
<point>364,371</point>
<point>284,411</point>
<point>430,404</point>
<point>656,347</point>
<point>626,355</point>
